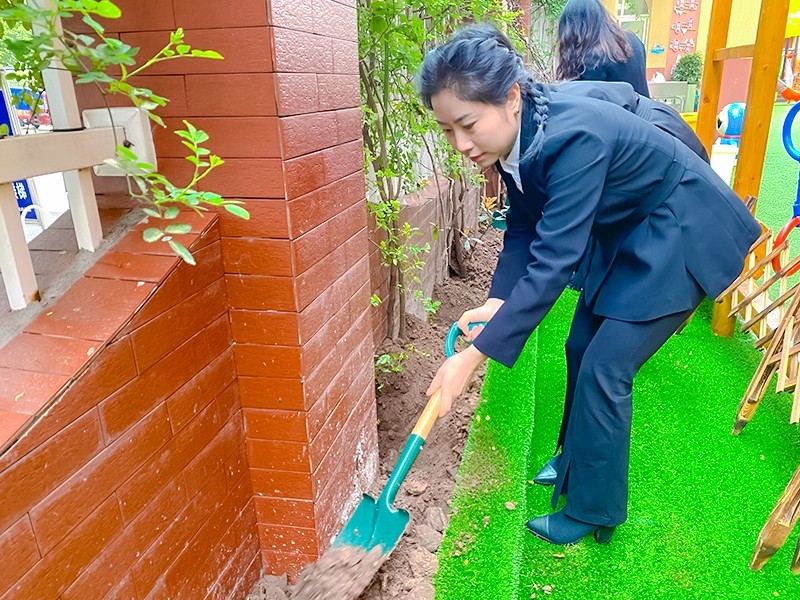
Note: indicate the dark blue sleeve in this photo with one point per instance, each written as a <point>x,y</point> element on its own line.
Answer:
<point>512,264</point>
<point>575,173</point>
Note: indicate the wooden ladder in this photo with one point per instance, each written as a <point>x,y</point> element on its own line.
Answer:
<point>766,55</point>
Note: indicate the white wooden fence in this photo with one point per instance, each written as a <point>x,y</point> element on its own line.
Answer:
<point>72,151</point>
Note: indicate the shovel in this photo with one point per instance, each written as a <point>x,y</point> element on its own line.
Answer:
<point>453,334</point>
<point>376,522</point>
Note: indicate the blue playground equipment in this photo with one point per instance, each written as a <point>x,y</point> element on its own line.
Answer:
<point>791,149</point>
<point>730,121</point>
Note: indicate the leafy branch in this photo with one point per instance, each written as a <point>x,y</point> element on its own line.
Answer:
<point>398,131</point>
<point>110,65</point>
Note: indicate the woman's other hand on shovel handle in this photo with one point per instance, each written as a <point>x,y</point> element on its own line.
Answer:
<point>454,376</point>
<point>475,315</point>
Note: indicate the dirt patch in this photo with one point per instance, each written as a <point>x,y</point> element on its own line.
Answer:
<point>427,491</point>
<point>342,572</point>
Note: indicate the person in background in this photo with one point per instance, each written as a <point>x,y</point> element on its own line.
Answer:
<point>582,172</point>
<point>593,47</point>
<point>620,93</point>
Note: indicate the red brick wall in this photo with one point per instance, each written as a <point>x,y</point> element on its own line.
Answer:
<point>301,315</point>
<point>132,481</point>
<point>283,111</point>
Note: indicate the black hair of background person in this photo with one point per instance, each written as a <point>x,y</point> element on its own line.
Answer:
<point>592,46</point>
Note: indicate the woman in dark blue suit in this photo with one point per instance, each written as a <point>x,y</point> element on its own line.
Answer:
<point>663,231</point>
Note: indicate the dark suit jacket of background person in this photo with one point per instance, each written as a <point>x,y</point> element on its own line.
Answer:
<point>633,71</point>
<point>659,219</point>
<point>622,94</point>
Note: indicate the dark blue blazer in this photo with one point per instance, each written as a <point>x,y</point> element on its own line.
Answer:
<point>633,70</point>
<point>657,215</point>
<point>622,94</point>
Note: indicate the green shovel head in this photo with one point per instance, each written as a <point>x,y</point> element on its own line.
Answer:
<point>374,524</point>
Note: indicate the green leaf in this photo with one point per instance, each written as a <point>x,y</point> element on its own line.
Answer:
<point>237,210</point>
<point>172,212</point>
<point>176,37</point>
<point>377,25</point>
<point>93,76</point>
<point>4,130</point>
<point>151,213</point>
<point>190,128</point>
<point>179,249</point>
<point>108,10</point>
<point>183,49</point>
<point>127,154</point>
<point>120,87</point>
<point>207,54</point>
<point>152,234</point>
<point>156,119</point>
<point>379,7</point>
<point>93,24</point>
<point>178,228</point>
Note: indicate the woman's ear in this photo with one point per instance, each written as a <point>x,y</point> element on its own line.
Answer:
<point>514,99</point>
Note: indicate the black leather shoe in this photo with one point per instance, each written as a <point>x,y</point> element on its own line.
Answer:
<point>560,529</point>
<point>549,472</point>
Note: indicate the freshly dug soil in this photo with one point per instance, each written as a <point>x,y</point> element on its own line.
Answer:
<point>342,572</point>
<point>426,492</point>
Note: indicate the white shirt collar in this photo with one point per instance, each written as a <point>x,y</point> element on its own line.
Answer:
<point>510,163</point>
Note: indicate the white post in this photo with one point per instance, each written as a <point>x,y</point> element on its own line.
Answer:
<point>85,217</point>
<point>65,115</point>
<point>15,260</point>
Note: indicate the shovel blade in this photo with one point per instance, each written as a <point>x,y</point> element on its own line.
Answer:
<point>373,524</point>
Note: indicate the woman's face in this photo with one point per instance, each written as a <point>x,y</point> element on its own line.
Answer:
<point>481,132</point>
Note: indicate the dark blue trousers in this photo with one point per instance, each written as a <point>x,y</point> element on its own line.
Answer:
<point>603,356</point>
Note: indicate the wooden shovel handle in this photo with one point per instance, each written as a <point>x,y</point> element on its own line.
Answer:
<point>428,416</point>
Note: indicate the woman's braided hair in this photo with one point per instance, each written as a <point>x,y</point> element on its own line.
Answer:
<point>479,64</point>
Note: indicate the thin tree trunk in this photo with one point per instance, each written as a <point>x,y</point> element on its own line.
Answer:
<point>391,302</point>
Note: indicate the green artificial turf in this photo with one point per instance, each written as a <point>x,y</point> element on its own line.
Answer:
<point>779,183</point>
<point>481,554</point>
<point>698,495</point>
<point>779,177</point>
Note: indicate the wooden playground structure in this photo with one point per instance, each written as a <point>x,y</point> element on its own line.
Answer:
<point>769,308</point>
<point>762,297</point>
